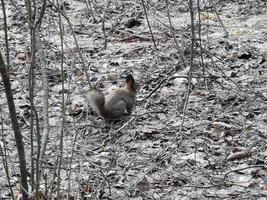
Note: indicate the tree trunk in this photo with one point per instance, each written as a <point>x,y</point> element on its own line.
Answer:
<point>16,128</point>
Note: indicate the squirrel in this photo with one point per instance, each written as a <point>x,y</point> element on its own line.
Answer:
<point>116,103</point>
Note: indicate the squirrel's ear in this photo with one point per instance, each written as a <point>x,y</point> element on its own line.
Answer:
<point>130,79</point>
<point>130,83</point>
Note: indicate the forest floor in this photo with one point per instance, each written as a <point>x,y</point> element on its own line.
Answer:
<point>215,149</point>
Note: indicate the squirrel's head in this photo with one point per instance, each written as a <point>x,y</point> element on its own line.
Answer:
<point>130,83</point>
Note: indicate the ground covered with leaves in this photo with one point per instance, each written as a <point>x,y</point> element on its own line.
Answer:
<point>212,148</point>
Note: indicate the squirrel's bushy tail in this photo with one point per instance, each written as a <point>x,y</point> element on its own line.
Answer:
<point>96,100</point>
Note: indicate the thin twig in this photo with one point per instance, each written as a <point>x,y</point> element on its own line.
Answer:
<point>76,42</point>
<point>219,18</point>
<point>173,33</point>
<point>148,23</point>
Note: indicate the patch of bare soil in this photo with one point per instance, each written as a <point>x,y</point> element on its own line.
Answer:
<point>214,149</point>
